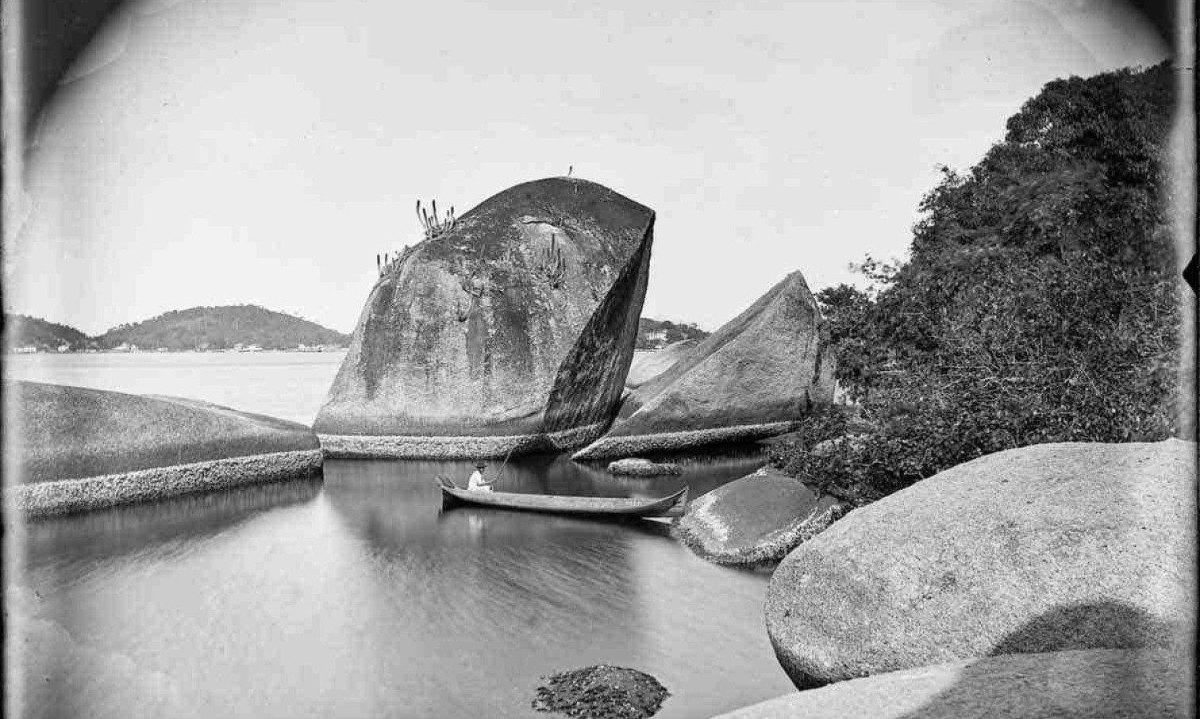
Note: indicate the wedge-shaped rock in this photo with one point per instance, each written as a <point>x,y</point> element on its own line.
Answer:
<point>756,376</point>
<point>79,449</point>
<point>1044,548</point>
<point>755,520</point>
<point>649,365</point>
<point>511,331</point>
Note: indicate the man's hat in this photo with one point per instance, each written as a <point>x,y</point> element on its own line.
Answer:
<point>480,465</point>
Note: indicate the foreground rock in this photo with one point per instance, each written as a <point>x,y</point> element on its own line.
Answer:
<point>1043,548</point>
<point>646,366</point>
<point>511,331</point>
<point>1087,684</point>
<point>79,449</point>
<point>601,692</point>
<point>755,520</point>
<point>635,467</point>
<point>756,376</point>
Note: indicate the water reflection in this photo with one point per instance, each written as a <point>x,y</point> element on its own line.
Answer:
<point>361,597</point>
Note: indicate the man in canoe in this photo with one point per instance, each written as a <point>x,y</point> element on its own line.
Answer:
<point>477,483</point>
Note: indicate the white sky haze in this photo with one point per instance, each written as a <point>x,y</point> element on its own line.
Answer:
<point>207,152</point>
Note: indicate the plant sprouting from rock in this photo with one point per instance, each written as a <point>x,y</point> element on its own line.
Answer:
<point>434,225</point>
<point>551,263</point>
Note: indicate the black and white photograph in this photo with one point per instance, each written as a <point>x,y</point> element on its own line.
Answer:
<point>539,359</point>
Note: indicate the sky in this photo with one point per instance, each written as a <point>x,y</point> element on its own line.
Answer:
<point>210,152</point>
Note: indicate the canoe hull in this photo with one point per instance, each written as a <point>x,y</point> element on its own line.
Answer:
<point>587,506</point>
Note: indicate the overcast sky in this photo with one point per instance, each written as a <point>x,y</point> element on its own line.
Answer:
<point>207,152</point>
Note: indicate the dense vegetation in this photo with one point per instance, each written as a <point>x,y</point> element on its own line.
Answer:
<point>26,331</point>
<point>1039,303</point>
<point>653,334</point>
<point>222,328</point>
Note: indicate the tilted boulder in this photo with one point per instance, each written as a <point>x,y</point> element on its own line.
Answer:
<point>756,519</point>
<point>510,331</point>
<point>649,365</point>
<point>756,376</point>
<point>1044,548</point>
<point>79,449</point>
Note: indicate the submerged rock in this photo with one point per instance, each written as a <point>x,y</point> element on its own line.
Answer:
<point>1044,548</point>
<point>636,467</point>
<point>651,364</point>
<point>755,520</point>
<point>513,330</point>
<point>1091,684</point>
<point>78,449</point>
<point>756,376</point>
<point>601,692</point>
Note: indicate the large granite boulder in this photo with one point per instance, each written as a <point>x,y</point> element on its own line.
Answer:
<point>756,376</point>
<point>1081,684</point>
<point>755,520</point>
<point>511,331</point>
<point>77,449</point>
<point>648,365</point>
<point>1044,548</point>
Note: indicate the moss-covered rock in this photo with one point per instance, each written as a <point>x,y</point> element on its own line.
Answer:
<point>756,376</point>
<point>512,330</point>
<point>1043,548</point>
<point>601,692</point>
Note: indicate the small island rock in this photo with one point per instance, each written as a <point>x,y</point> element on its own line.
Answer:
<point>636,467</point>
<point>755,520</point>
<point>1043,548</point>
<point>601,692</point>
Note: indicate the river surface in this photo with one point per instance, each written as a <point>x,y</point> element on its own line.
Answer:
<point>358,595</point>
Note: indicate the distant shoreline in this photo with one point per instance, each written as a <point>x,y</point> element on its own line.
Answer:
<point>16,351</point>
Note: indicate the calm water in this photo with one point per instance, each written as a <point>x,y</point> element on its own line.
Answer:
<point>357,596</point>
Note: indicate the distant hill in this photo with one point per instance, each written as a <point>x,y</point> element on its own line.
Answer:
<point>26,331</point>
<point>222,328</point>
<point>653,334</point>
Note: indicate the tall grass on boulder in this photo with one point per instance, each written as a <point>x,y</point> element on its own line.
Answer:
<point>1040,302</point>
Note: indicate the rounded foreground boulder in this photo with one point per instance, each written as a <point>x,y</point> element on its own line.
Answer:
<point>1087,684</point>
<point>1043,548</point>
<point>755,520</point>
<point>601,692</point>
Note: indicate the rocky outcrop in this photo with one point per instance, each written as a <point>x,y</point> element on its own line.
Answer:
<point>511,330</point>
<point>636,467</point>
<point>756,376</point>
<point>79,449</point>
<point>1044,548</point>
<point>648,365</point>
<point>1083,684</point>
<point>755,520</point>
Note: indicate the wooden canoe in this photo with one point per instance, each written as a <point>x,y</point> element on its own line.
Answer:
<point>559,504</point>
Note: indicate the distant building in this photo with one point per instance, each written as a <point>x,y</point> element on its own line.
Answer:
<point>64,347</point>
<point>26,350</point>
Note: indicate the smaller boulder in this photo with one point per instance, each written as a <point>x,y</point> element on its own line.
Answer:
<point>1096,683</point>
<point>636,467</point>
<point>601,692</point>
<point>756,520</point>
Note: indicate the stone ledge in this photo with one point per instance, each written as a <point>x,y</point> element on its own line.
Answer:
<point>69,496</point>
<point>362,446</point>
<point>631,445</point>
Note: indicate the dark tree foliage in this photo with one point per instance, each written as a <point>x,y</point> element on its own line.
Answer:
<point>1039,303</point>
